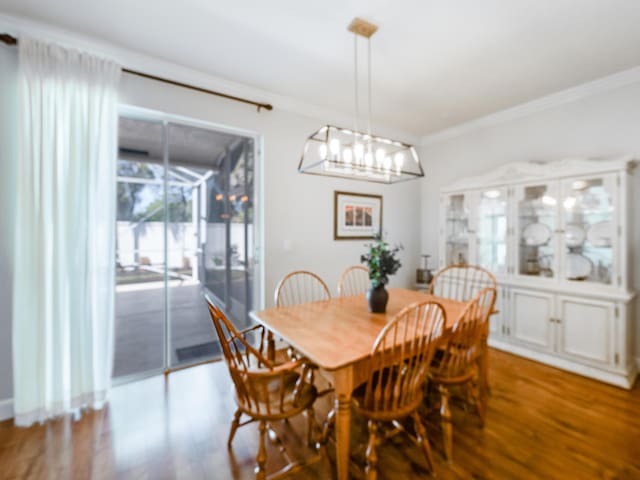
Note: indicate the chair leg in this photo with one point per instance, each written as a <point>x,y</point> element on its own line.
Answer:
<point>371,470</point>
<point>271,346</point>
<point>235,423</point>
<point>447,428</point>
<point>422,438</point>
<point>310,414</point>
<point>474,389</point>
<point>326,428</point>
<point>483,366</point>
<point>261,459</point>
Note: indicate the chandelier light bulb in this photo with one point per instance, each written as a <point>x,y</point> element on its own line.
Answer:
<point>380,154</point>
<point>387,163</point>
<point>368,159</point>
<point>334,147</point>
<point>322,149</point>
<point>358,150</point>
<point>347,155</point>
<point>398,159</point>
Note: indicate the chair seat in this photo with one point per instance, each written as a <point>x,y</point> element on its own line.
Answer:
<point>378,411</point>
<point>269,401</point>
<point>453,375</point>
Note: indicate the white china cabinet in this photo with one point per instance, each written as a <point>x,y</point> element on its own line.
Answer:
<point>555,235</point>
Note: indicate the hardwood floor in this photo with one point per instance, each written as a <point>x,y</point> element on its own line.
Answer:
<point>541,423</point>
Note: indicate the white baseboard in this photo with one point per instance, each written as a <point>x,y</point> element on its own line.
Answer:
<point>6,409</point>
<point>624,378</point>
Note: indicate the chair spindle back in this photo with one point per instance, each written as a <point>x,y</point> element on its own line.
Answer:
<point>461,282</point>
<point>260,385</point>
<point>463,346</point>
<point>354,281</point>
<point>300,286</point>
<point>401,356</point>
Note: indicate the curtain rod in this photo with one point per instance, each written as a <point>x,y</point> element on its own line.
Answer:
<point>10,40</point>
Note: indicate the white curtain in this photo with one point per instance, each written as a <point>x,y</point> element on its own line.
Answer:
<point>65,231</point>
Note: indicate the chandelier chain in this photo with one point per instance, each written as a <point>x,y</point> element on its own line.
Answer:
<point>355,79</point>
<point>369,85</point>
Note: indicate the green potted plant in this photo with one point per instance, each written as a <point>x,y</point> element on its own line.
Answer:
<point>382,262</point>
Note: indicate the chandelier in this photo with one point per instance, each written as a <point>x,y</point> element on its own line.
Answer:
<point>354,154</point>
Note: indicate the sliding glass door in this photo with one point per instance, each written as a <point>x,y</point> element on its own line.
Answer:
<point>185,227</point>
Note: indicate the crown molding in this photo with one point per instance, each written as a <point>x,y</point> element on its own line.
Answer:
<point>521,172</point>
<point>595,87</point>
<point>126,57</point>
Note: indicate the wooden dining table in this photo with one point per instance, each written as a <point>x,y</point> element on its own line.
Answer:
<point>337,335</point>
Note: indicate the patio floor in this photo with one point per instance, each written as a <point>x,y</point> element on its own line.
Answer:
<point>139,333</point>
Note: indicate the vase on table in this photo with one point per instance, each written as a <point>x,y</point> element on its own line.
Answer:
<point>377,298</point>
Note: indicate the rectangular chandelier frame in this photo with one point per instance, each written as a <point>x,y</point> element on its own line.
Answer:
<point>344,153</point>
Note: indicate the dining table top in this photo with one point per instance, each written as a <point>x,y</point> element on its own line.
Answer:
<point>340,331</point>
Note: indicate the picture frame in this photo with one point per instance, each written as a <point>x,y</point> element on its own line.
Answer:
<point>357,216</point>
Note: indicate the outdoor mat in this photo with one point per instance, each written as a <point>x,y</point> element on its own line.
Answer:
<point>198,352</point>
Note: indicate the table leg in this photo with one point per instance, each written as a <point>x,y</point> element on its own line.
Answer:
<point>484,367</point>
<point>343,385</point>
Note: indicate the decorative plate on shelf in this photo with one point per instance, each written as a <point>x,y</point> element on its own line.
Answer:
<point>600,234</point>
<point>536,234</point>
<point>574,235</point>
<point>579,267</point>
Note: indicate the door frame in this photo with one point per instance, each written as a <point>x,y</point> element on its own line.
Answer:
<point>258,292</point>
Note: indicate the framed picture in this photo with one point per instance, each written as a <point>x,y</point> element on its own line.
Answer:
<point>357,216</point>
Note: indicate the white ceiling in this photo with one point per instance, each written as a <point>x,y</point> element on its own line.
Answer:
<point>436,63</point>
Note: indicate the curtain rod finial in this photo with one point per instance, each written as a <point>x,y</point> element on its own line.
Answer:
<point>8,39</point>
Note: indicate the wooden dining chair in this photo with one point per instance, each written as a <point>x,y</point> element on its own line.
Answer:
<point>400,360</point>
<point>354,281</point>
<point>463,282</point>
<point>294,288</point>
<point>457,363</point>
<point>300,286</point>
<point>264,391</point>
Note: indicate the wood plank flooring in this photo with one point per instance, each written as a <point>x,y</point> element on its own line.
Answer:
<point>541,423</point>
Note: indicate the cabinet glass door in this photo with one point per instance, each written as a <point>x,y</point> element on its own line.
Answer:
<point>491,230</point>
<point>537,217</point>
<point>589,229</point>
<point>456,230</point>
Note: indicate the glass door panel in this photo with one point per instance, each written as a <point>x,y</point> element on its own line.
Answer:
<point>456,230</point>
<point>589,229</point>
<point>537,217</point>
<point>491,230</point>
<point>209,195</point>
<point>140,264</point>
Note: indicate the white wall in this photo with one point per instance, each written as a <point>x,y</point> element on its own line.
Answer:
<point>8,119</point>
<point>605,124</point>
<point>298,209</point>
